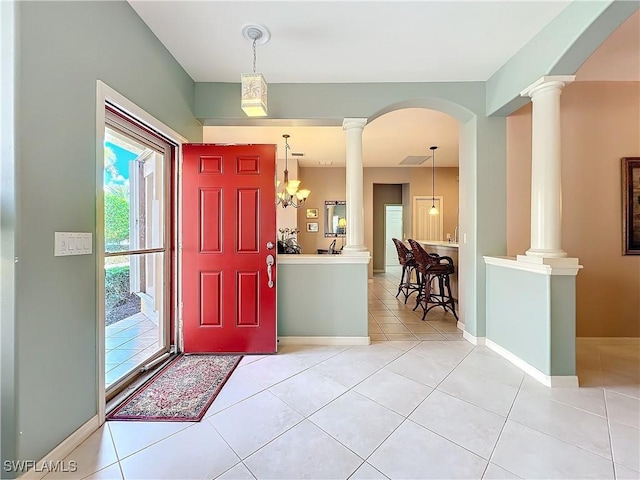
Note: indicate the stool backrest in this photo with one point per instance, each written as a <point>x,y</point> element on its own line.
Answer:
<point>404,254</point>
<point>423,259</point>
<point>433,261</point>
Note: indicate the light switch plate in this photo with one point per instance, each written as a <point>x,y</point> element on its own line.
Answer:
<point>72,243</point>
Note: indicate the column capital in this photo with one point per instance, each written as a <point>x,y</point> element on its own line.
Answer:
<point>547,82</point>
<point>349,123</point>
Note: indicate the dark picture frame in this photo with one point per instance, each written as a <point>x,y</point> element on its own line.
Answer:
<point>631,205</point>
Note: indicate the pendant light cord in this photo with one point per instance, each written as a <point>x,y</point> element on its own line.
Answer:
<point>433,177</point>
<point>254,55</point>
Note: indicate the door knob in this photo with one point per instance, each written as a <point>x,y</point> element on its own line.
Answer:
<point>270,245</point>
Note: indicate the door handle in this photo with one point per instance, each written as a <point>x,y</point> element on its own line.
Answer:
<point>270,261</point>
<point>270,245</point>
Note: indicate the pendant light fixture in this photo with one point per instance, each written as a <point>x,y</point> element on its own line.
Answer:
<point>290,195</point>
<point>254,86</point>
<point>433,210</point>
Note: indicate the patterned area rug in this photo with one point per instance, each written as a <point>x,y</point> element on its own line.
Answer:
<point>181,392</point>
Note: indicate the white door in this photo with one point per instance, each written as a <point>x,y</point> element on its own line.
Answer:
<point>393,229</point>
<point>425,226</point>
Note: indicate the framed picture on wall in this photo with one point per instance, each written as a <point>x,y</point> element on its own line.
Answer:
<point>312,226</point>
<point>631,205</point>
<point>312,213</point>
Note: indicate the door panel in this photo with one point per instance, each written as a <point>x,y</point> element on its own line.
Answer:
<point>425,226</point>
<point>229,216</point>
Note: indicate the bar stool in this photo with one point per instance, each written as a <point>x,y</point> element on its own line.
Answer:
<point>433,268</point>
<point>409,267</point>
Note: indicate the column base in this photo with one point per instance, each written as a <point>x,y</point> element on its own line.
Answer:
<point>355,251</point>
<point>558,265</point>
<point>546,253</point>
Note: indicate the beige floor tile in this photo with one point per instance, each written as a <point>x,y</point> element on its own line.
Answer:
<point>394,328</point>
<point>377,337</point>
<point>400,336</point>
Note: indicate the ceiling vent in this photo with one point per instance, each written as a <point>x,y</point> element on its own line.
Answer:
<point>414,160</point>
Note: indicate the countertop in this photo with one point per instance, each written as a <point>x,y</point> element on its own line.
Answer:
<point>309,258</point>
<point>438,243</point>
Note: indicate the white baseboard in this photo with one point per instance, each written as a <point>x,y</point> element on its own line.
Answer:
<point>324,340</point>
<point>570,381</point>
<point>472,338</point>
<point>61,452</point>
<point>460,325</point>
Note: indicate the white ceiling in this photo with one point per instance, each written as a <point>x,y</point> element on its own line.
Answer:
<point>347,41</point>
<point>365,41</point>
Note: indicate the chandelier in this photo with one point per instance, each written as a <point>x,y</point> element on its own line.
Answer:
<point>254,86</point>
<point>290,195</point>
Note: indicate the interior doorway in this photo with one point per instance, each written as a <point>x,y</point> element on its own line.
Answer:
<point>383,194</point>
<point>393,228</point>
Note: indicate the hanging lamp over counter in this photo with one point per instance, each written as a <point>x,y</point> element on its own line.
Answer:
<point>433,210</point>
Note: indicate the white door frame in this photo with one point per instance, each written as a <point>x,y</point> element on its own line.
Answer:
<point>105,93</point>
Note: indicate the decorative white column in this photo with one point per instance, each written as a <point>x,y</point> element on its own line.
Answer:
<point>546,181</point>
<point>355,197</point>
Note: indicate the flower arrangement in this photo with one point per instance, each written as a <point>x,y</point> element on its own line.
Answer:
<point>287,233</point>
<point>288,242</point>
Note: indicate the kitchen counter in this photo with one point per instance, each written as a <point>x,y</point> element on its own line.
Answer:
<point>311,258</point>
<point>438,243</point>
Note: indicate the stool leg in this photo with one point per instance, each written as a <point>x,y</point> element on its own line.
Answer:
<point>427,295</point>
<point>404,269</point>
<point>421,280</point>
<point>453,303</point>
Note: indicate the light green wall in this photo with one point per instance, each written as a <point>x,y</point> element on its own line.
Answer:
<point>559,49</point>
<point>65,47</point>
<point>563,325</point>
<point>532,315</point>
<point>322,300</point>
<point>518,314</point>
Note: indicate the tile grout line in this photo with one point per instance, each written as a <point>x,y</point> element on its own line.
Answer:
<point>506,419</point>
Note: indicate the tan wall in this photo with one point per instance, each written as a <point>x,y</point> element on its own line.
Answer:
<point>600,125</point>
<point>330,184</point>
<point>325,184</point>
<point>382,195</point>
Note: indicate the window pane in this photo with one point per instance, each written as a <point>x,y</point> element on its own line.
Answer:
<point>134,197</point>
<point>134,312</point>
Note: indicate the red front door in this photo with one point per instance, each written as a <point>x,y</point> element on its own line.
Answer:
<point>229,232</point>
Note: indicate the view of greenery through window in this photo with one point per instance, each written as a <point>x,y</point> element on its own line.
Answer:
<point>116,197</point>
<point>116,222</point>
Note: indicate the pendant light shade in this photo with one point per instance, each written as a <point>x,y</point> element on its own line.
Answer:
<point>433,210</point>
<point>254,86</point>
